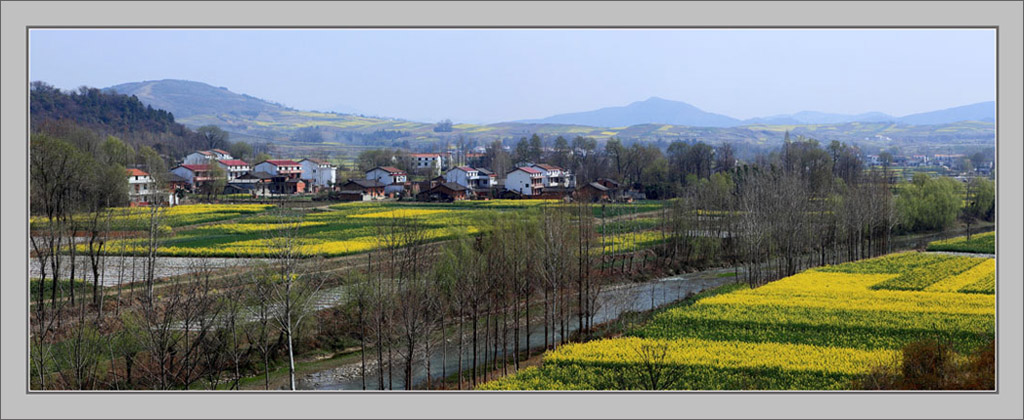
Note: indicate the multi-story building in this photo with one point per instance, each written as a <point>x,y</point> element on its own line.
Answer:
<point>426,161</point>
<point>286,168</point>
<point>553,176</point>
<point>393,178</point>
<point>234,168</point>
<point>195,175</point>
<point>525,180</point>
<point>321,173</point>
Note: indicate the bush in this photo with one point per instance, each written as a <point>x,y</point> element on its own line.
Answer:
<point>933,365</point>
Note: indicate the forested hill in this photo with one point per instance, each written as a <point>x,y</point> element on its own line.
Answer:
<point>109,114</point>
<point>187,98</point>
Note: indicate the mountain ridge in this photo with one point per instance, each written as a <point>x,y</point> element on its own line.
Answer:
<point>665,111</point>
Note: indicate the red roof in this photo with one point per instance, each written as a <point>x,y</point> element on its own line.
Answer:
<point>205,152</point>
<point>233,162</point>
<point>425,155</point>
<point>467,168</point>
<point>223,152</point>
<point>135,172</point>
<point>530,171</point>
<point>282,162</point>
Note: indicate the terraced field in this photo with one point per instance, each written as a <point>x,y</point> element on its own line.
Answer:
<point>818,330</point>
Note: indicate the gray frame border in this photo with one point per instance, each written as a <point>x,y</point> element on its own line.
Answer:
<point>134,8</point>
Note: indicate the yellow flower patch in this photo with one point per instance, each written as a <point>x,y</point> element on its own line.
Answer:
<point>955,283</point>
<point>724,354</point>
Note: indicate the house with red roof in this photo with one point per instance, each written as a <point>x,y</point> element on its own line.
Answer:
<point>282,167</point>
<point>394,179</point>
<point>234,168</point>
<point>525,180</point>
<point>553,176</point>
<point>195,175</point>
<point>141,187</point>
<point>143,191</point>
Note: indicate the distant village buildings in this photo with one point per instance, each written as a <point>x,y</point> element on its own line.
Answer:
<point>444,182</point>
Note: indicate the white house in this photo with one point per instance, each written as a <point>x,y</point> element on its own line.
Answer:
<point>286,168</point>
<point>141,187</point>
<point>525,180</point>
<point>471,177</point>
<point>426,161</point>
<point>321,172</point>
<point>195,175</point>
<point>234,168</point>
<point>393,178</point>
<point>203,157</point>
<point>552,176</point>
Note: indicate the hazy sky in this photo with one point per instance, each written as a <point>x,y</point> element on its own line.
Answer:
<point>500,75</point>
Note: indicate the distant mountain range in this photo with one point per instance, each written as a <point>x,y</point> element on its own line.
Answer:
<point>663,111</point>
<point>252,119</point>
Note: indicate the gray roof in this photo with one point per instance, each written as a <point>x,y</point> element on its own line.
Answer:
<point>173,177</point>
<point>366,183</point>
<point>598,187</point>
<point>454,186</point>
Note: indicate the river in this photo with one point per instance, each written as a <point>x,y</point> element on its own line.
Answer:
<point>613,301</point>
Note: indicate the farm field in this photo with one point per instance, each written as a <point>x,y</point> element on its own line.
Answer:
<point>821,329</point>
<point>248,230</point>
<point>982,243</point>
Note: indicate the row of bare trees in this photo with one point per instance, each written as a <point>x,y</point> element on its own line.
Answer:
<point>477,296</point>
<point>204,329</point>
<point>778,218</point>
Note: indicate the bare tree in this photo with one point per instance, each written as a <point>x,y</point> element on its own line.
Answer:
<point>296,283</point>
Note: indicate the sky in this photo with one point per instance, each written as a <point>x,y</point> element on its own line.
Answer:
<point>485,76</point>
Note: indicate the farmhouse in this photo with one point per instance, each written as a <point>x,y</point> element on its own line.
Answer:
<point>593,191</point>
<point>175,183</point>
<point>469,177</point>
<point>195,175</point>
<point>393,178</point>
<point>141,187</point>
<point>553,176</point>
<point>253,183</point>
<point>319,172</point>
<point>204,157</point>
<point>369,189</point>
<point>285,185</point>
<point>449,191</point>
<point>426,161</point>
<point>234,167</point>
<point>286,168</point>
<point>525,181</point>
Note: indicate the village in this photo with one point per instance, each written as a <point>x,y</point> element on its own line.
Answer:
<point>217,172</point>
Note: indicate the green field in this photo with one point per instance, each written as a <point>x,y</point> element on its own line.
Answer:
<point>822,329</point>
<point>982,243</point>
<point>249,230</point>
